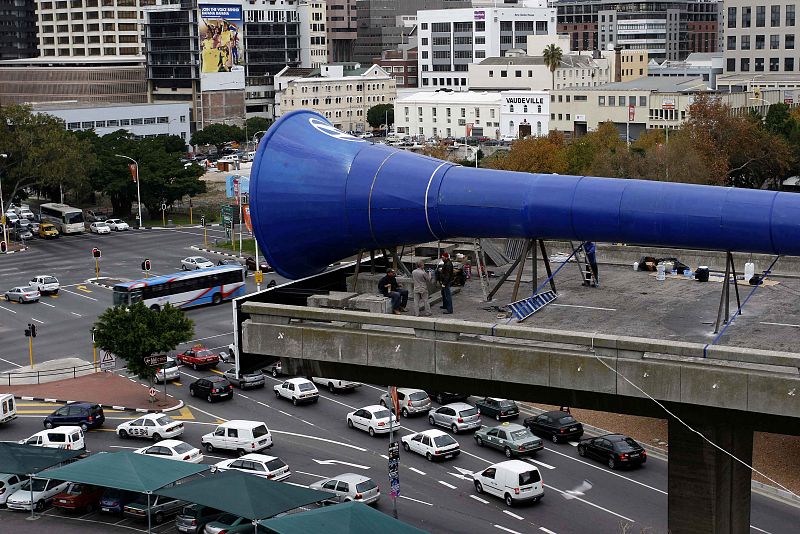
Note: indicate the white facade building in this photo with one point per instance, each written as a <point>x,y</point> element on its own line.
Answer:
<point>313,36</point>
<point>452,39</point>
<point>443,114</point>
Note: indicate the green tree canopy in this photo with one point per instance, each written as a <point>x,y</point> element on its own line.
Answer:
<point>257,124</point>
<point>379,114</point>
<point>218,135</point>
<point>134,332</point>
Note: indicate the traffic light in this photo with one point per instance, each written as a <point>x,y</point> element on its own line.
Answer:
<point>203,220</point>
<point>3,246</point>
<point>96,253</point>
<point>31,330</point>
<point>146,265</point>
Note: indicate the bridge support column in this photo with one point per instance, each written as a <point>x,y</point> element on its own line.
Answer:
<point>708,490</point>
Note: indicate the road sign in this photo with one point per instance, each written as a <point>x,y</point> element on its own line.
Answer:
<point>163,207</point>
<point>96,253</point>
<point>152,392</point>
<point>109,361</point>
<point>203,220</point>
<point>394,468</point>
<point>157,359</point>
<point>259,276</point>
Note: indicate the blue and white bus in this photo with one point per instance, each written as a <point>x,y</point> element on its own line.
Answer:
<point>184,289</point>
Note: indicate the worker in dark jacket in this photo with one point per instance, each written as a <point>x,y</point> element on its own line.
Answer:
<point>389,287</point>
<point>445,278</point>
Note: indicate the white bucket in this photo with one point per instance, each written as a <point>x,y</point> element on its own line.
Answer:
<point>660,272</point>
<point>636,266</point>
<point>749,271</point>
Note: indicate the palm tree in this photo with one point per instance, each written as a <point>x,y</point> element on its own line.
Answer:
<point>552,58</point>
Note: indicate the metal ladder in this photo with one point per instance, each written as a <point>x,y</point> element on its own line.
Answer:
<point>522,309</point>
<point>582,260</point>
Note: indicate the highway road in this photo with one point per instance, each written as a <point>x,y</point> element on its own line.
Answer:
<point>314,440</point>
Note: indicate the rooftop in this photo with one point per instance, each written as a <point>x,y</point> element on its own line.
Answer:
<point>656,84</point>
<point>72,104</point>
<point>72,61</point>
<point>453,97</point>
<point>567,61</point>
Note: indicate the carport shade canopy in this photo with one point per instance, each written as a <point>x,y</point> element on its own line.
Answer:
<point>249,496</point>
<point>346,518</point>
<point>20,459</point>
<point>126,471</point>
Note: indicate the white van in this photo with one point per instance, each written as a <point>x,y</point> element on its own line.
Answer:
<point>8,408</point>
<point>392,137</point>
<point>334,384</point>
<point>238,435</point>
<point>62,437</point>
<point>514,481</point>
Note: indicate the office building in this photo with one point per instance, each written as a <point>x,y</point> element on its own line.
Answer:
<point>761,38</point>
<point>313,35</point>
<point>704,65</point>
<point>18,29</point>
<point>401,64</point>
<point>342,19</point>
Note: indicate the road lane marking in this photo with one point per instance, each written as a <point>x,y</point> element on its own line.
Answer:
<point>310,474</point>
<point>8,309</point>
<point>12,363</point>
<point>189,375</point>
<point>546,530</point>
<point>506,529</point>
<point>78,294</point>
<point>319,439</point>
<point>307,422</point>
<point>122,447</point>
<point>573,443</point>
<point>484,501</point>
<point>585,307</point>
<point>537,462</point>
<point>759,530</point>
<point>46,304</point>
<point>83,288</point>
<point>77,314</point>
<point>37,320</point>
<point>607,471</point>
<point>562,492</point>
<point>218,372</point>
<point>445,484</point>
<point>512,514</point>
<point>285,413</point>
<point>295,484</point>
<point>209,337</point>
<point>779,324</point>
<point>416,500</point>
<point>417,471</point>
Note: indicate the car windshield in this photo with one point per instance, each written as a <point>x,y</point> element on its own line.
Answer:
<point>274,465</point>
<point>626,444</point>
<point>204,353</point>
<point>468,413</point>
<point>227,519</point>
<point>183,448</point>
<point>366,486</point>
<point>506,404</point>
<point>76,489</point>
<point>49,280</point>
<point>418,396</point>
<point>521,434</point>
<point>529,477</point>
<point>260,431</point>
<point>382,414</point>
<point>566,420</point>
<point>306,386</point>
<point>444,441</point>
<point>101,225</point>
<point>38,485</point>
<point>29,288</point>
<point>163,420</point>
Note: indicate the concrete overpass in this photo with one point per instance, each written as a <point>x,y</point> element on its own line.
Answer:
<point>726,395</point>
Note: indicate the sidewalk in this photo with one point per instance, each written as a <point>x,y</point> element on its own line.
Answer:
<point>106,388</point>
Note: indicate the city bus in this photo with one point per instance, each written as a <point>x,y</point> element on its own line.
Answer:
<point>67,219</point>
<point>183,289</point>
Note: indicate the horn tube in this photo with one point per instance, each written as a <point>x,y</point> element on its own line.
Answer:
<point>319,195</point>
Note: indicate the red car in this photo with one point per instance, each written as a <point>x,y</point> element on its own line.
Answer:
<point>79,497</point>
<point>198,357</point>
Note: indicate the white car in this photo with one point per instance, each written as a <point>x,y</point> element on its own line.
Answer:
<point>9,484</point>
<point>99,228</point>
<point>155,426</point>
<point>26,213</point>
<point>118,225</point>
<point>374,419</point>
<point>432,444</point>
<point>195,262</point>
<point>334,384</point>
<point>297,390</point>
<point>173,449</point>
<point>170,371</point>
<point>43,492</point>
<point>366,135</point>
<point>45,283</point>
<point>260,465</point>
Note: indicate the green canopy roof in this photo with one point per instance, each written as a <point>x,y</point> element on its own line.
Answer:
<point>249,496</point>
<point>126,471</point>
<point>19,459</point>
<point>346,518</point>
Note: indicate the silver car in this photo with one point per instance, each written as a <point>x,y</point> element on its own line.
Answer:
<point>170,371</point>
<point>412,401</point>
<point>23,294</point>
<point>245,380</point>
<point>349,487</point>
<point>457,416</point>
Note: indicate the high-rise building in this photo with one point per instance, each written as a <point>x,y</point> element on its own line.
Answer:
<point>17,29</point>
<point>450,40</point>
<point>313,36</point>
<point>381,24</point>
<point>761,38</point>
<point>342,22</point>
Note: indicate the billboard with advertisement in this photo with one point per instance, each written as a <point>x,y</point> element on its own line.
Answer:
<point>221,51</point>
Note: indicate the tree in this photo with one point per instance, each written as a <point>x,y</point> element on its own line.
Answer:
<point>135,332</point>
<point>534,154</point>
<point>255,125</point>
<point>163,177</point>
<point>552,59</point>
<point>218,135</point>
<point>381,114</point>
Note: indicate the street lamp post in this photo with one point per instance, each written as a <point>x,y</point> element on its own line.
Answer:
<point>138,190</point>
<point>3,207</point>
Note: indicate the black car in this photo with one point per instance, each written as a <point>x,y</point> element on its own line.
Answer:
<point>498,408</point>
<point>212,388</point>
<point>614,449</point>
<point>83,414</point>
<point>446,397</point>
<point>556,425</point>
<point>250,263</point>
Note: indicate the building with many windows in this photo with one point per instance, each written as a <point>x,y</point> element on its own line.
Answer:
<point>18,29</point>
<point>761,38</point>
<point>313,35</point>
<point>342,19</point>
<point>449,40</point>
<point>401,64</point>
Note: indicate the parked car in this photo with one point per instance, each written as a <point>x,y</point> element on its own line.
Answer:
<point>46,284</point>
<point>334,384</point>
<point>557,425</point>
<point>616,450</point>
<point>38,491</point>
<point>245,380</point>
<point>229,261</point>
<point>412,401</point>
<point>99,228</point>
<point>514,481</point>
<point>24,212</point>
<point>83,414</point>
<point>77,496</point>
<point>212,388</point>
<point>95,216</point>
<point>445,397</point>
<point>226,523</point>
<point>374,419</point>
<point>269,467</point>
<point>114,500</point>
<point>173,449</point>
<point>432,444</point>
<point>264,266</point>
<point>118,225</point>
<point>274,369</point>
<point>48,231</point>
<point>238,435</point>
<point>498,408</point>
<point>198,357</point>
<point>23,294</point>
<point>349,487</point>
<point>195,262</point>
<point>195,517</point>
<point>9,483</point>
<point>160,508</point>
<point>8,408</point>
<point>169,371</point>
<point>512,439</point>
<point>297,390</point>
<point>63,437</point>
<point>155,426</point>
<point>457,416</point>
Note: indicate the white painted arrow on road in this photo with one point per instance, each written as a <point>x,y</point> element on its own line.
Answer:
<point>333,462</point>
<point>464,474</point>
